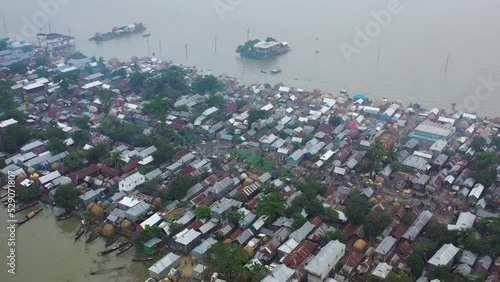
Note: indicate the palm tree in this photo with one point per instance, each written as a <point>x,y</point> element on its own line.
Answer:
<point>116,161</point>
<point>392,155</point>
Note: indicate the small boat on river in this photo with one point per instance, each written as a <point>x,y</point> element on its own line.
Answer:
<point>104,271</point>
<point>143,259</point>
<point>64,216</point>
<point>29,216</point>
<point>276,70</point>
<point>25,206</point>
<point>114,248</point>
<point>79,232</point>
<point>93,236</point>
<point>124,249</point>
<point>111,240</point>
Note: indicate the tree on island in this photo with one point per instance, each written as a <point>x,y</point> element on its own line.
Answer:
<point>66,196</point>
<point>246,50</point>
<point>226,259</point>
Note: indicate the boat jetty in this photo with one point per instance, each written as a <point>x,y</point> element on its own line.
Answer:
<point>119,32</point>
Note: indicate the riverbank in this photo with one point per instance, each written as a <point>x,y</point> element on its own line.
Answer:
<point>46,248</point>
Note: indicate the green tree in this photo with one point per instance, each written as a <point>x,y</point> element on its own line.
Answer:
<point>246,50</point>
<point>105,96</point>
<point>485,177</point>
<point>149,233</point>
<point>226,259</point>
<point>314,208</point>
<point>438,232</point>
<point>298,220</point>
<point>75,159</point>
<point>175,228</point>
<point>82,122</point>
<point>357,208</point>
<point>65,80</point>
<point>215,101</point>
<point>28,194</point>
<point>18,67</point>
<point>485,160</point>
<point>272,204</point>
<point>207,84</point>
<point>202,211</point>
<point>234,217</point>
<point>478,143</point>
<point>418,258</point>
<point>54,131</point>
<point>115,160</point>
<point>159,108</point>
<point>398,276</point>
<point>15,114</point>
<point>338,234</point>
<point>81,137</point>
<point>330,215</point>
<point>65,197</point>
<point>254,115</point>
<point>335,120</point>
<point>256,271</point>
<point>14,137</point>
<point>56,146</point>
<point>179,187</point>
<point>98,153</point>
<point>376,223</point>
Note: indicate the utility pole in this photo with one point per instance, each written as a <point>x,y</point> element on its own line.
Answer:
<point>216,44</point>
<point>447,60</point>
<point>4,26</point>
<point>49,29</point>
<point>248,34</point>
<point>147,40</point>
<point>378,55</point>
<point>186,47</point>
<point>69,31</point>
<point>159,41</point>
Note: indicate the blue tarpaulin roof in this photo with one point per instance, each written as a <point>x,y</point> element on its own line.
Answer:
<point>359,96</point>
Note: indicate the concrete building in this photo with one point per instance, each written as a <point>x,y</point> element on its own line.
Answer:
<point>320,266</point>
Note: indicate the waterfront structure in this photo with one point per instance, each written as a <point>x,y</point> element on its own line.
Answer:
<point>268,49</point>
<point>55,41</point>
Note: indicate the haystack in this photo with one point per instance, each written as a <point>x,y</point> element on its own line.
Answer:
<point>96,210</point>
<point>360,246</point>
<point>108,230</point>
<point>125,225</point>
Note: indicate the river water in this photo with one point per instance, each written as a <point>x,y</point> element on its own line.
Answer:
<point>414,44</point>
<point>46,252</point>
<point>414,47</point>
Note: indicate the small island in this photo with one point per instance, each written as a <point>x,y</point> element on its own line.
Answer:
<point>262,50</point>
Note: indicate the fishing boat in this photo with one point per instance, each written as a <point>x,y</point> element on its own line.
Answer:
<point>4,195</point>
<point>93,236</point>
<point>79,232</point>
<point>263,71</point>
<point>124,249</point>
<point>276,70</point>
<point>104,271</point>
<point>64,216</point>
<point>143,259</point>
<point>29,216</point>
<point>111,240</point>
<point>25,206</point>
<point>114,248</point>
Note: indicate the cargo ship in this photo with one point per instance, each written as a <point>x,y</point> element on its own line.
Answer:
<point>119,32</point>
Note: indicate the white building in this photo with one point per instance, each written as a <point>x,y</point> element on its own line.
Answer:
<point>55,41</point>
<point>130,183</point>
<point>320,266</point>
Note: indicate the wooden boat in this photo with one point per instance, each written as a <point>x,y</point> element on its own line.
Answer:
<point>64,216</point>
<point>114,248</point>
<point>262,71</point>
<point>29,216</point>
<point>5,202</point>
<point>111,240</point>
<point>4,195</point>
<point>142,259</point>
<point>124,249</point>
<point>104,271</point>
<point>93,236</point>
<point>79,232</point>
<point>26,206</point>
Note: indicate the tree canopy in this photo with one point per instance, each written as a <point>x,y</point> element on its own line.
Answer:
<point>330,215</point>
<point>376,223</point>
<point>149,233</point>
<point>28,194</point>
<point>202,211</point>
<point>254,115</point>
<point>234,217</point>
<point>18,67</point>
<point>66,196</point>
<point>272,204</point>
<point>207,84</point>
<point>175,228</point>
<point>14,137</point>
<point>398,276</point>
<point>98,153</point>
<point>226,259</point>
<point>357,208</point>
<point>75,159</point>
<point>56,145</point>
<point>81,136</point>
<point>335,120</point>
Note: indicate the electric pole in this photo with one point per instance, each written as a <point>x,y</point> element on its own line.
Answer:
<point>248,34</point>
<point>216,44</point>
<point>186,47</point>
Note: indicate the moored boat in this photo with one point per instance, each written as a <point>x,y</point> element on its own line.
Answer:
<point>25,206</point>
<point>93,236</point>
<point>29,216</point>
<point>143,259</point>
<point>124,249</point>
<point>79,232</point>
<point>111,240</point>
<point>64,216</point>
<point>119,32</point>
<point>4,195</point>
<point>107,270</point>
<point>114,248</point>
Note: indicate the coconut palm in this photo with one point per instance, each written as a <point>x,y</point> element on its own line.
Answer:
<point>392,155</point>
<point>116,161</point>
